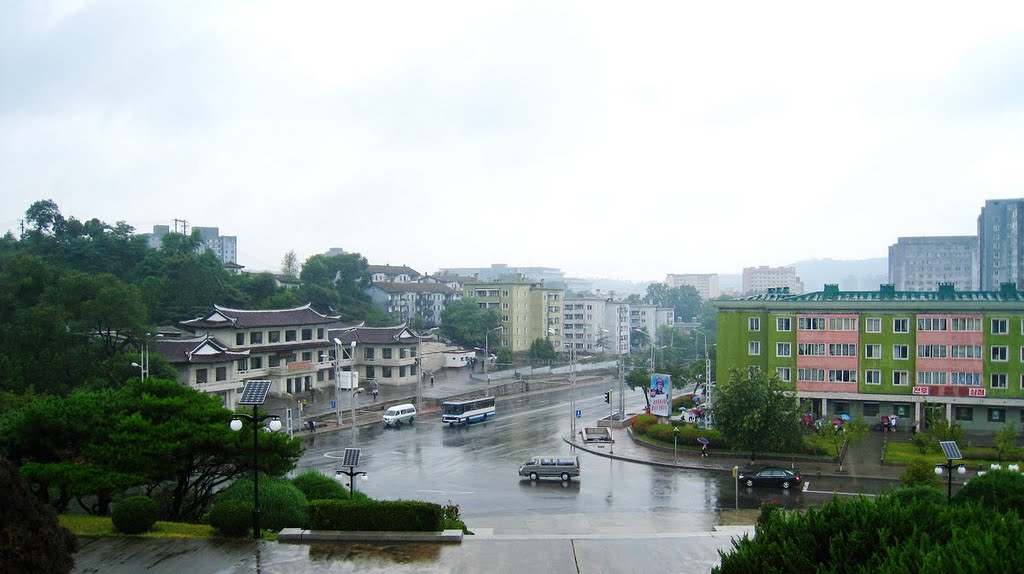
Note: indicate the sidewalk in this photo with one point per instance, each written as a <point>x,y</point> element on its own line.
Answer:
<point>863,460</point>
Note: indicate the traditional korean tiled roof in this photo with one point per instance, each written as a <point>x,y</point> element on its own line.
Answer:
<point>373,335</point>
<point>196,350</point>
<point>392,270</point>
<point>414,287</point>
<point>222,317</point>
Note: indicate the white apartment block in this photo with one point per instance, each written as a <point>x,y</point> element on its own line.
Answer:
<point>761,279</point>
<point>706,284</point>
<point>922,263</point>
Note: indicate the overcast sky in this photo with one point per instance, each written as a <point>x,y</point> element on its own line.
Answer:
<point>621,140</point>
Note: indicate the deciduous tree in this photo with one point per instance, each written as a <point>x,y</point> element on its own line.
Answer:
<point>756,413</point>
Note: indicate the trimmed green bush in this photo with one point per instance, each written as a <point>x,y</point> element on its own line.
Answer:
<point>282,504</point>
<point>918,493</point>
<point>231,517</point>
<point>316,486</point>
<point>920,472</point>
<point>642,422</point>
<point>882,535</point>
<point>135,514</point>
<point>31,538</point>
<point>395,515</point>
<point>996,489</point>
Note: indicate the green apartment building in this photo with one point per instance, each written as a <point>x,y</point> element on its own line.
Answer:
<point>879,353</point>
<point>527,309</point>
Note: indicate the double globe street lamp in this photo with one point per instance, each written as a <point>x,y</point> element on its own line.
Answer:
<point>255,394</point>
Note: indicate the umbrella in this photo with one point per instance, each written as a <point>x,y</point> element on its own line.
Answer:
<point>837,421</point>
<point>703,440</point>
<point>844,416</point>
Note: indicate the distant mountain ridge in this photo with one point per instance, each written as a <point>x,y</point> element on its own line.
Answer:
<point>851,275</point>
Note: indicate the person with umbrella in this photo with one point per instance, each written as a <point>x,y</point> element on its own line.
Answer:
<point>704,442</point>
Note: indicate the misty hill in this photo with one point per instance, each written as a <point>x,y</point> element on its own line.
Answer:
<point>852,275</point>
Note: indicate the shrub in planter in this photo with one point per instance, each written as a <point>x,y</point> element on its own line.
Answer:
<point>282,504</point>
<point>920,472</point>
<point>135,514</point>
<point>399,515</point>
<point>642,422</point>
<point>231,517</point>
<point>316,486</point>
<point>919,493</point>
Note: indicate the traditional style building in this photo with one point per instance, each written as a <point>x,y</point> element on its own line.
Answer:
<point>875,353</point>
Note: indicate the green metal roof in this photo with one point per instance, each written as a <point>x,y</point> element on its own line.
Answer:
<point>886,293</point>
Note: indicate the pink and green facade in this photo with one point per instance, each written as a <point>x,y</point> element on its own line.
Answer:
<point>885,352</point>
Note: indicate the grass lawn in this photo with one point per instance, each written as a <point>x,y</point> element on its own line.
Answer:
<point>900,452</point>
<point>84,525</point>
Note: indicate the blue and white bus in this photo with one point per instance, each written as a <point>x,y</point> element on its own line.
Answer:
<point>465,412</point>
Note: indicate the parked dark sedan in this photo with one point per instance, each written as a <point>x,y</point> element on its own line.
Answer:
<point>771,476</point>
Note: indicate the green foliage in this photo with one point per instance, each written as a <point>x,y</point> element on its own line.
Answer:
<point>505,357</point>
<point>316,486</point>
<point>135,514</point>
<point>920,492</point>
<point>756,413</point>
<point>684,299</point>
<point>465,323</point>
<point>920,472</point>
<point>541,349</point>
<point>883,535</point>
<point>370,515</point>
<point>1006,442</point>
<point>282,504</point>
<point>643,422</point>
<point>941,430</point>
<point>997,489</point>
<point>231,517</point>
<point>31,538</point>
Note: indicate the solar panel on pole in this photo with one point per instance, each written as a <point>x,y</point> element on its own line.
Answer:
<point>950,450</point>
<point>255,393</point>
<point>351,457</point>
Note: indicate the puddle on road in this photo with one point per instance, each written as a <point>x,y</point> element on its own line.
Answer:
<point>409,553</point>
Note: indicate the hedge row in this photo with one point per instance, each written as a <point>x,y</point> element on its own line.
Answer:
<point>360,515</point>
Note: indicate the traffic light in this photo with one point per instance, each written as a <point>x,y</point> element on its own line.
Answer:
<point>608,397</point>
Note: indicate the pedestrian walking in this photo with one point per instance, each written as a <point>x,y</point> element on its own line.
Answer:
<point>704,450</point>
<point>431,380</point>
<point>375,391</point>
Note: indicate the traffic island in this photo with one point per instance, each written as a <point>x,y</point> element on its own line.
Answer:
<point>300,536</point>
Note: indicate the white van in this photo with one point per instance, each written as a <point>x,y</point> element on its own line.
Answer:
<point>564,467</point>
<point>399,414</point>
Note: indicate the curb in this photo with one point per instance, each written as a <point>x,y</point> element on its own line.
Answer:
<point>300,536</point>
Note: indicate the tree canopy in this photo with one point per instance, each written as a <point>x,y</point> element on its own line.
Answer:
<point>465,323</point>
<point>755,412</point>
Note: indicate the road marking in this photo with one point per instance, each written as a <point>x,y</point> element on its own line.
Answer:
<point>807,485</point>
<point>836,492</point>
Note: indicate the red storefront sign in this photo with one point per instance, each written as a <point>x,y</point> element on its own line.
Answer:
<point>975,392</point>
<point>921,390</point>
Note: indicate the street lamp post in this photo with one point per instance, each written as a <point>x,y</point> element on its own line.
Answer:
<point>255,419</point>
<point>952,452</point>
<point>675,443</point>
<point>487,357</point>
<point>143,364</point>
<point>339,352</point>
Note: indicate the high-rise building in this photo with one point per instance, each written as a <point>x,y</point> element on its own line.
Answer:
<point>1001,243</point>
<point>706,284</point>
<point>763,278</point>
<point>225,247</point>
<point>922,263</point>
<point>527,310</point>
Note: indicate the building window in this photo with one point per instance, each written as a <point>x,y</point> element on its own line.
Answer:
<point>965,379</point>
<point>900,325</point>
<point>239,339</point>
<point>873,325</point>
<point>784,374</point>
<point>842,376</point>
<point>999,352</point>
<point>256,362</point>
<point>967,324</point>
<point>307,334</point>
<point>842,350</point>
<point>320,333</point>
<point>900,378</point>
<point>810,323</point>
<point>931,377</point>
<point>997,380</point>
<point>371,372</point>
<point>307,355</point>
<point>811,375</point>
<point>1000,326</point>
<point>842,324</point>
<point>931,351</point>
<point>222,373</point>
<point>968,352</point>
<point>872,351</point>
<point>200,376</point>
<point>901,410</point>
<point>872,377</point>
<point>871,409</point>
<point>997,415</point>
<point>786,350</point>
<point>754,348</point>
<point>274,336</point>
<point>753,323</point>
<point>274,361</point>
<point>931,324</point>
<point>368,353</point>
<point>900,352</point>
<point>385,353</point>
<point>783,324</point>
<point>289,335</point>
<point>840,407</point>
<point>810,349</point>
<point>385,372</point>
<point>256,338</point>
<point>963,413</point>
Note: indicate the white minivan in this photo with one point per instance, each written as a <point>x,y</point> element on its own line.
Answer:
<point>399,414</point>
